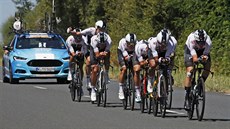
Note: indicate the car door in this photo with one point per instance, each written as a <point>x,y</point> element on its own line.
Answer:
<point>6,56</point>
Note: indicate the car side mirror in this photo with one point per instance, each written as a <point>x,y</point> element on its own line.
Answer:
<point>8,48</point>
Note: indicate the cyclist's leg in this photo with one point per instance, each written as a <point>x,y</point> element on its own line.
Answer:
<point>88,71</point>
<point>207,67</point>
<point>136,70</point>
<point>69,77</point>
<point>94,71</point>
<point>107,65</point>
<point>187,83</point>
<point>151,75</point>
<point>123,71</point>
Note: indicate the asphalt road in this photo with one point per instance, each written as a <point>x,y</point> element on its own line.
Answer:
<point>43,104</point>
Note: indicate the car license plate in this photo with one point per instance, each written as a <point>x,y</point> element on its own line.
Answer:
<point>45,69</point>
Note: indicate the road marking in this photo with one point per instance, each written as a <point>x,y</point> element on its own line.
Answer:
<point>87,96</point>
<point>1,81</point>
<point>175,112</point>
<point>228,94</point>
<point>38,87</point>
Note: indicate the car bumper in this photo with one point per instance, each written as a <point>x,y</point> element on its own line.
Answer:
<point>21,70</point>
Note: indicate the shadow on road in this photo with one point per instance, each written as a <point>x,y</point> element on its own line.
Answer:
<point>215,120</point>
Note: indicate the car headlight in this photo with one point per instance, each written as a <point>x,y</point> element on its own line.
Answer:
<point>19,58</point>
<point>66,58</point>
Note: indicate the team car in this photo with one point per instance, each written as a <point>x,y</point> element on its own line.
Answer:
<point>35,55</point>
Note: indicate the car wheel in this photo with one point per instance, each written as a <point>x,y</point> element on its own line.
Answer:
<point>4,78</point>
<point>62,81</point>
<point>12,80</point>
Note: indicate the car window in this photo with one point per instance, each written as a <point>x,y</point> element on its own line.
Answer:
<point>27,43</point>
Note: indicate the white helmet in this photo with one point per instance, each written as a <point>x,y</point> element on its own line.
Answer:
<point>101,37</point>
<point>100,24</point>
<point>200,35</point>
<point>131,38</point>
<point>163,36</point>
<point>17,25</point>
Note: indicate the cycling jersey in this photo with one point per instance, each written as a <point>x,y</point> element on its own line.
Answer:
<point>123,48</point>
<point>141,51</point>
<point>198,48</point>
<point>74,46</point>
<point>99,47</point>
<point>89,33</point>
<point>161,50</point>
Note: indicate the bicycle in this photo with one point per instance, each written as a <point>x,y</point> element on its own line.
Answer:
<point>101,88</point>
<point>128,88</point>
<point>76,83</point>
<point>159,95</point>
<point>144,92</point>
<point>197,94</point>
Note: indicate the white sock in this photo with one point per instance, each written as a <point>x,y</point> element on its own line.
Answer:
<point>120,86</point>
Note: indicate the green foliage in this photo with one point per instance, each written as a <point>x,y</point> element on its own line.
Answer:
<point>144,18</point>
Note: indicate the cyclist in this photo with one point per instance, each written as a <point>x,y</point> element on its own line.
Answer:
<point>163,49</point>
<point>100,26</point>
<point>77,48</point>
<point>142,56</point>
<point>198,44</point>
<point>125,51</point>
<point>100,47</point>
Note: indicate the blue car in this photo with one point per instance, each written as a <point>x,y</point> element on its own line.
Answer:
<point>35,55</point>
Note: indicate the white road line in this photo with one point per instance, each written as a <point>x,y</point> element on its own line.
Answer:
<point>87,96</point>
<point>175,112</point>
<point>38,87</point>
<point>228,94</point>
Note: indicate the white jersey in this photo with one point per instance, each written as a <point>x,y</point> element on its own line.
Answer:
<point>97,46</point>
<point>88,33</point>
<point>140,48</point>
<point>123,47</point>
<point>72,42</point>
<point>157,48</point>
<point>194,47</point>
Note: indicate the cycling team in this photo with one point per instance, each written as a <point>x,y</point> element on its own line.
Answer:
<point>94,43</point>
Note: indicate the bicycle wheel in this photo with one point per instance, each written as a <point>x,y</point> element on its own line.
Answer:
<point>149,99</point>
<point>104,91</point>
<point>155,106</point>
<point>99,89</point>
<point>143,95</point>
<point>133,98</point>
<point>125,100</point>
<point>191,101</point>
<point>163,96</point>
<point>169,92</point>
<point>79,86</point>
<point>72,91</point>
<point>200,102</point>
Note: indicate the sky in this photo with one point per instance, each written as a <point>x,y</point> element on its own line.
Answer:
<point>7,9</point>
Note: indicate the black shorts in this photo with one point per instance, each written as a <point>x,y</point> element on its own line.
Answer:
<point>94,60</point>
<point>188,57</point>
<point>135,59</point>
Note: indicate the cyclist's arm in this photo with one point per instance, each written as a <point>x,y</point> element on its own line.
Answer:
<point>191,44</point>
<point>207,46</point>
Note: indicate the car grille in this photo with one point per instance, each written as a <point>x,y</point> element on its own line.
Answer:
<point>38,72</point>
<point>44,63</point>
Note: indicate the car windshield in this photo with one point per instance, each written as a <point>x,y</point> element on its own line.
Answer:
<point>27,43</point>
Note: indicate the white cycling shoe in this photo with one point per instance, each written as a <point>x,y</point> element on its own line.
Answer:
<point>69,77</point>
<point>93,95</point>
<point>121,94</point>
<point>138,96</point>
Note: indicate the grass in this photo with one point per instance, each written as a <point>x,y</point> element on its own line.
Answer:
<point>217,83</point>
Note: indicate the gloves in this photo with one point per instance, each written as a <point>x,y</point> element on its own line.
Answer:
<point>164,60</point>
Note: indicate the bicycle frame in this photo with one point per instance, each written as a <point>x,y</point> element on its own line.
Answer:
<point>128,87</point>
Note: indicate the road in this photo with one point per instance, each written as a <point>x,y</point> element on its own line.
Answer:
<point>43,104</point>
